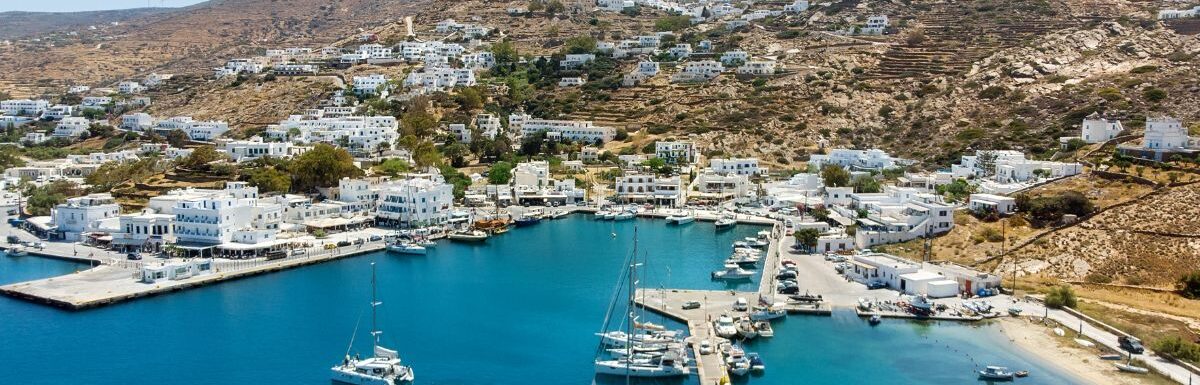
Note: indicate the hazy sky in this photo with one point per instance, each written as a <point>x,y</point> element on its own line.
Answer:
<point>86,5</point>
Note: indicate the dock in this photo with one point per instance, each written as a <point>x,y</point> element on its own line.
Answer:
<point>114,280</point>
<point>669,302</point>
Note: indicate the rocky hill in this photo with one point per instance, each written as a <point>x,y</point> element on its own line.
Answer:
<point>22,24</point>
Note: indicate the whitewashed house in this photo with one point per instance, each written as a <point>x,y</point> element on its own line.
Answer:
<point>79,214</point>
<point>374,84</point>
<point>990,203</point>
<point>736,166</point>
<point>576,130</point>
<point>876,25</point>
<point>34,137</point>
<point>1096,129</point>
<point>757,68</point>
<point>95,102</point>
<point>796,7</point>
<point>130,87</point>
<point>488,125</point>
<point>72,127</point>
<point>238,66</point>
<point>734,58</point>
<point>570,82</point>
<point>24,107</point>
<point>415,202</point>
<point>255,147</point>
<point>698,71</point>
<point>363,134</point>
<point>58,112</point>
<point>577,60</point>
<point>676,152</point>
<point>138,121</point>
<point>659,190</point>
<point>155,79</point>
<point>195,129</point>
<point>873,159</point>
<point>680,51</point>
<point>1168,14</point>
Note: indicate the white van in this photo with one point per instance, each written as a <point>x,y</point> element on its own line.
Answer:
<point>741,304</point>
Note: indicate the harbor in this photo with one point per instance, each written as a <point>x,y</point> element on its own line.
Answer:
<point>425,297</point>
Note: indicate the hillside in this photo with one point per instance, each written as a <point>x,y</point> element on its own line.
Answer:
<point>21,24</point>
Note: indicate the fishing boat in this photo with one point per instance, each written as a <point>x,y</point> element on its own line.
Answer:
<point>468,236</point>
<point>921,304</point>
<point>724,223</point>
<point>1131,369</point>
<point>634,363</point>
<point>756,362</point>
<point>681,219</point>
<point>725,327</point>
<point>406,248</point>
<point>768,313</point>
<point>17,251</point>
<point>527,220</point>
<point>382,368</point>
<point>875,320</point>
<point>732,272</point>
<point>996,373</point>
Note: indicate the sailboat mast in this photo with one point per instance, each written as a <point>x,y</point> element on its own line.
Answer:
<point>374,303</point>
<point>632,299</point>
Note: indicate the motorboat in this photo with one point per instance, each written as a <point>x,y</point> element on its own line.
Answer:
<point>745,328</point>
<point>756,362</point>
<point>921,304</point>
<point>468,236</point>
<point>732,272</point>
<point>756,243</point>
<point>382,368</point>
<point>764,234</point>
<point>668,365</point>
<point>681,219</point>
<point>996,373</point>
<point>764,329</point>
<point>557,214</point>
<point>875,320</point>
<point>624,215</point>
<point>406,248</point>
<point>743,259</point>
<point>17,251</point>
<point>736,361</point>
<point>725,326</point>
<point>621,339</point>
<point>528,220</point>
<point>600,214</point>
<point>426,243</point>
<point>724,223</point>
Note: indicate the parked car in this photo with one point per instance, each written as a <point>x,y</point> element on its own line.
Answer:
<point>343,243</point>
<point>706,347</point>
<point>741,304</point>
<point>790,290</point>
<point>689,305</point>
<point>375,238</point>
<point>299,251</point>
<point>12,239</point>
<point>133,257</point>
<point>1131,344</point>
<point>876,285</point>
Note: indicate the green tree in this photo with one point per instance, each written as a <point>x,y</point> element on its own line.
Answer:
<point>457,153</point>
<point>580,44</point>
<point>505,52</point>
<point>500,173</point>
<point>672,23</point>
<point>392,167</point>
<point>469,98</point>
<point>957,190</point>
<point>268,179</point>
<point>10,156</point>
<point>835,176</point>
<point>39,200</point>
<point>177,138</point>
<point>866,184</point>
<point>1060,297</point>
<point>418,122</point>
<point>200,158</point>
<point>323,166</point>
<point>807,237</point>
<point>456,178</point>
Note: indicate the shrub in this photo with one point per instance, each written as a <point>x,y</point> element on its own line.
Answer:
<point>1189,285</point>
<point>992,92</point>
<point>1060,297</point>
<point>1154,94</point>
<point>1177,347</point>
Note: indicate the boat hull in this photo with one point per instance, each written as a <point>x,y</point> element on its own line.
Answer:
<point>619,368</point>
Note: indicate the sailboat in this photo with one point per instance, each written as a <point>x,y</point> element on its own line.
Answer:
<point>383,368</point>
<point>670,363</point>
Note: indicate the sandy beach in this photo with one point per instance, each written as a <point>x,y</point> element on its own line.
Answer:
<point>1081,362</point>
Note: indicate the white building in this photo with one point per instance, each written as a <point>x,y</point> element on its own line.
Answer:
<point>156,79</point>
<point>796,7</point>
<point>488,125</point>
<point>665,191</point>
<point>415,202</point>
<point>570,82</point>
<point>736,166</point>
<point>57,112</point>
<point>139,121</point>
<point>898,214</point>
<point>130,87</point>
<point>146,231</point>
<point>576,60</point>
<point>439,79</point>
<point>219,217</point>
<point>720,187</point>
<point>79,214</point>
<point>479,60</point>
<point>876,25</point>
<point>24,107</point>
<point>72,127</point>
<point>1167,14</point>
<point>1165,133</point>
<point>255,147</point>
<point>363,134</point>
<point>676,152</point>
<point>645,70</point>
<point>576,130</point>
<point>989,203</point>
<point>195,129</point>
<point>757,68</point>
<point>698,71</point>
<point>238,66</point>
<point>294,69</point>
<point>95,102</point>
<point>680,51</point>
<point>873,159</point>
<point>733,58</point>
<point>1096,129</point>
<point>34,137</point>
<point>370,85</point>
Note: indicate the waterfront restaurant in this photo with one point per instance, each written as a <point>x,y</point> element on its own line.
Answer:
<point>175,270</point>
<point>881,268</point>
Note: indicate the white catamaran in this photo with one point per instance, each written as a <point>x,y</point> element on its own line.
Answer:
<point>383,368</point>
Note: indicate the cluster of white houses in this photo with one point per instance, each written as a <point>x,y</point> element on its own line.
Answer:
<point>236,222</point>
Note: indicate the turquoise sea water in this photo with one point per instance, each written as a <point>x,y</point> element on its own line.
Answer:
<point>519,309</point>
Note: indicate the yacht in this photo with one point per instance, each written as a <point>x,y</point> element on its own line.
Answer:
<point>725,326</point>
<point>620,339</point>
<point>668,365</point>
<point>743,259</point>
<point>756,243</point>
<point>725,223</point>
<point>558,214</point>
<point>736,360</point>
<point>624,215</point>
<point>681,219</point>
<point>875,320</point>
<point>382,368</point>
<point>468,236</point>
<point>733,272</point>
<point>610,215</point>
<point>406,248</point>
<point>600,214</point>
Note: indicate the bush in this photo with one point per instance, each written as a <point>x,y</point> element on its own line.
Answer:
<point>1189,285</point>
<point>1177,347</point>
<point>1154,94</point>
<point>1061,297</point>
<point>991,92</point>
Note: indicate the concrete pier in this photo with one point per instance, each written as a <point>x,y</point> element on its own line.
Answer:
<point>669,302</point>
<point>114,281</point>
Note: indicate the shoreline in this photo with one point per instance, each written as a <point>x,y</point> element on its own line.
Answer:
<point>1083,364</point>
